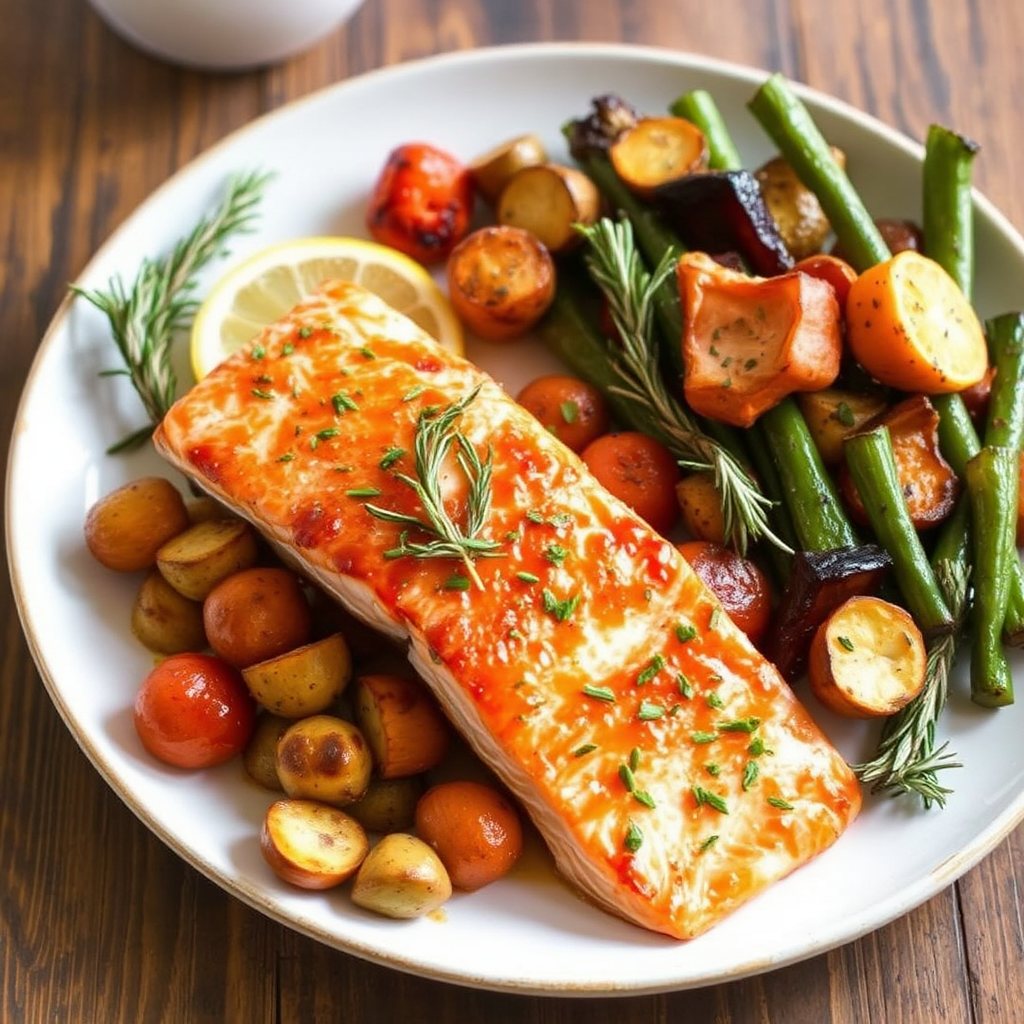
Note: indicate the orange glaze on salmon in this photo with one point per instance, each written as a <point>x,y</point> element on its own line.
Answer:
<point>667,765</point>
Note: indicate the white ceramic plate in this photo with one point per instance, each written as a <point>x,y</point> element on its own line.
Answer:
<point>528,933</point>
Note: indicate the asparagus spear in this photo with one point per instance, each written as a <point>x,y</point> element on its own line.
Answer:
<point>699,107</point>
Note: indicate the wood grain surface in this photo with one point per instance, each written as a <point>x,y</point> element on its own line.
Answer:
<point>99,922</point>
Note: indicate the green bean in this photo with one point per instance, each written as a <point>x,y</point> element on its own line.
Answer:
<point>992,488</point>
<point>785,118</point>
<point>1004,424</point>
<point>873,468</point>
<point>948,211</point>
<point>699,107</point>
<point>807,491</point>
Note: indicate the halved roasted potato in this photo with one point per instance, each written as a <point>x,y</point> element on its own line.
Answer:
<point>549,200</point>
<point>197,559</point>
<point>401,877</point>
<point>304,681</point>
<point>324,758</point>
<point>164,620</point>
<point>496,168</point>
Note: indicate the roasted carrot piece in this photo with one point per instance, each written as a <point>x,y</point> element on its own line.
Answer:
<point>911,327</point>
<point>751,341</point>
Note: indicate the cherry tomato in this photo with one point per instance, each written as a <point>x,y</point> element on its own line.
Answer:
<point>194,711</point>
<point>640,471</point>
<point>573,410</point>
<point>474,828</point>
<point>421,203</point>
<point>736,581</point>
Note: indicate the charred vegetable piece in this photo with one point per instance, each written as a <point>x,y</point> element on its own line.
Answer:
<point>929,485</point>
<point>610,116</point>
<point>724,211</point>
<point>422,202</point>
<point>819,582</point>
<point>751,341</point>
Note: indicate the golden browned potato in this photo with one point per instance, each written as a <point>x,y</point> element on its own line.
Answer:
<point>303,681</point>
<point>493,171</point>
<point>260,755</point>
<point>197,559</point>
<point>501,281</point>
<point>833,414</point>
<point>548,201</point>
<point>257,614</point>
<point>401,877</point>
<point>388,805</point>
<point>324,758</point>
<point>204,508</point>
<point>867,659</point>
<point>656,150</point>
<point>125,529</point>
<point>402,724</point>
<point>164,620</point>
<point>700,505</point>
<point>310,844</point>
<point>794,207</point>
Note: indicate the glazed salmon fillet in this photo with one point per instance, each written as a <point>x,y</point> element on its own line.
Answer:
<point>668,767</point>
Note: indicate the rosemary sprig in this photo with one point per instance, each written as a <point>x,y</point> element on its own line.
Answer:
<point>907,759</point>
<point>145,315</point>
<point>436,434</point>
<point>618,270</point>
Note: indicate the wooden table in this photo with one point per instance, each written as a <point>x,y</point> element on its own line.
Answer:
<point>99,922</point>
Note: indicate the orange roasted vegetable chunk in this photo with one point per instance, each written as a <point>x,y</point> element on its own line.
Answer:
<point>928,482</point>
<point>911,327</point>
<point>656,150</point>
<point>751,341</point>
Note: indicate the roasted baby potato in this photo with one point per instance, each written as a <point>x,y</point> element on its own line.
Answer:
<point>496,168</point>
<point>303,681</point>
<point>700,505</point>
<point>165,621</point>
<point>324,758</point>
<point>199,557</point>
<point>501,280</point>
<point>401,877</point>
<point>260,755</point>
<point>867,659</point>
<point>656,150</point>
<point>402,724</point>
<point>126,528</point>
<point>257,614</point>
<point>794,207</point>
<point>388,805</point>
<point>833,414</point>
<point>549,200</point>
<point>312,845</point>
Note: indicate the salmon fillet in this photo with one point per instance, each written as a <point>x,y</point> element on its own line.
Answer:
<point>667,765</point>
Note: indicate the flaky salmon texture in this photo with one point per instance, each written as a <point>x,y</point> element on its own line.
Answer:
<point>667,765</point>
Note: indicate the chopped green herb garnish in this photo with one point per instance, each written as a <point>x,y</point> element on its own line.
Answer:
<point>367,353</point>
<point>634,838</point>
<point>707,844</point>
<point>458,582</point>
<point>684,685</point>
<point>626,775</point>
<point>570,411</point>
<point>716,614</point>
<point>287,348</point>
<point>258,352</point>
<point>556,554</point>
<point>559,610</point>
<point>287,457</point>
<point>654,666</point>
<point>845,642</point>
<point>777,801</point>
<point>685,631</point>
<point>757,747</point>
<point>328,432</point>
<point>703,737</point>
<point>604,693</point>
<point>363,492</point>
<point>713,769</point>
<point>650,712</point>
<point>714,701</point>
<point>260,393</point>
<point>740,725</point>
<point>414,392</point>
<point>641,796</point>
<point>527,577</point>
<point>634,758</point>
<point>584,749</point>
<point>305,331</point>
<point>845,415</point>
<point>391,456</point>
<point>706,797</point>
<point>750,773</point>
<point>343,402</point>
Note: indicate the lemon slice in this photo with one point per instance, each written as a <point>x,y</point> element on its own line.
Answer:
<point>262,288</point>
